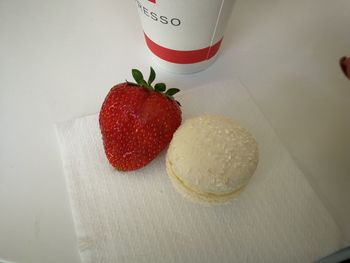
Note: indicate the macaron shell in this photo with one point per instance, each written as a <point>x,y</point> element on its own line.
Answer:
<point>197,197</point>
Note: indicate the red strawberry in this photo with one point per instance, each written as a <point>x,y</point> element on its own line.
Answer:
<point>137,121</point>
<point>345,66</point>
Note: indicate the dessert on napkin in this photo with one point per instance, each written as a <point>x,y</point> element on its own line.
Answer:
<point>211,158</point>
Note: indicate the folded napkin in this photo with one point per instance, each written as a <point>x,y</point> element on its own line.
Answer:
<point>139,217</point>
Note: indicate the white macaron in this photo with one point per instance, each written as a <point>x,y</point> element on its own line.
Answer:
<point>211,158</point>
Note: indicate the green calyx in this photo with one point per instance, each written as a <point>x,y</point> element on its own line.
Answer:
<point>159,87</point>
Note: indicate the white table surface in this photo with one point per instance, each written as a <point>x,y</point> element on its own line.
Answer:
<point>58,59</point>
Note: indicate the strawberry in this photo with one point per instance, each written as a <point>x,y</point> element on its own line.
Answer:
<point>345,66</point>
<point>137,121</point>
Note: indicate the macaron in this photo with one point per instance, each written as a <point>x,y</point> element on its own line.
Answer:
<point>211,158</point>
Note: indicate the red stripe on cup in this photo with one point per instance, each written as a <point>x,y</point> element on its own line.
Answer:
<point>183,56</point>
<point>152,1</point>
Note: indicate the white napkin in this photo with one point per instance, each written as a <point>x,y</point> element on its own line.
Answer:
<point>139,217</point>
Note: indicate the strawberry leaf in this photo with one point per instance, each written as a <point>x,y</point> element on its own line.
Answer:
<point>171,92</point>
<point>160,87</point>
<point>137,76</point>
<point>143,83</point>
<point>152,76</point>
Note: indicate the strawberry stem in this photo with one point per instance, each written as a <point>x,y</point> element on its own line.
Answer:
<point>159,87</point>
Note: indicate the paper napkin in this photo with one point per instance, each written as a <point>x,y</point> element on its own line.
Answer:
<point>139,217</point>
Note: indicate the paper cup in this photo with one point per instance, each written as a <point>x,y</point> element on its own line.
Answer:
<point>184,36</point>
